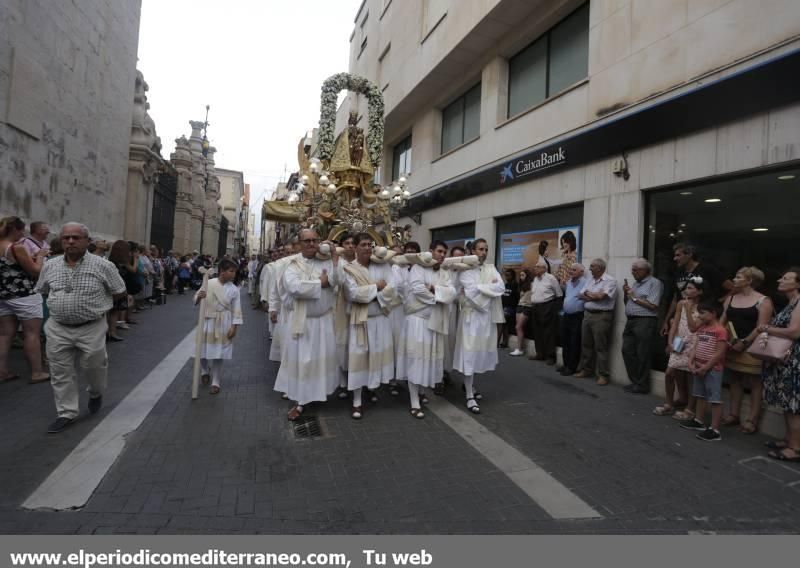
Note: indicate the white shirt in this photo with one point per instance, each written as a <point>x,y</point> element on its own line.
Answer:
<point>606,283</point>
<point>545,288</point>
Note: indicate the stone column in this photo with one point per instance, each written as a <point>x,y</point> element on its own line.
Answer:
<point>198,184</point>
<point>181,160</point>
<point>143,162</point>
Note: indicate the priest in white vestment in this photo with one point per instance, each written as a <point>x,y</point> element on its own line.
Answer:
<point>370,292</point>
<point>308,371</point>
<point>482,310</point>
<point>429,292</point>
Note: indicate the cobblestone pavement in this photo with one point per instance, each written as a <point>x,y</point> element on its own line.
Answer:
<point>231,463</point>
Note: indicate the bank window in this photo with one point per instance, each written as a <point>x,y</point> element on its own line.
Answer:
<point>461,119</point>
<point>550,64</point>
<point>401,159</point>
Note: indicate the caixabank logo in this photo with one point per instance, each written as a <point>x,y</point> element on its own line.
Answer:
<point>532,164</point>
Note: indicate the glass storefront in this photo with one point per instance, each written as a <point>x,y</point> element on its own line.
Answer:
<point>745,221</point>
<point>455,235</point>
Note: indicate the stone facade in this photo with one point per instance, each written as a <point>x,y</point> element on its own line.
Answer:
<point>143,164</point>
<point>197,207</point>
<point>67,78</point>
<point>232,192</point>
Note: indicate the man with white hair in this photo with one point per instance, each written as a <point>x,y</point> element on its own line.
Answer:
<point>308,371</point>
<point>545,291</point>
<point>641,308</point>
<point>572,319</point>
<point>600,296</point>
<point>482,310</point>
<point>80,290</point>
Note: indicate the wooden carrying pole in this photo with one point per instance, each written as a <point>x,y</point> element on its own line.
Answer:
<point>198,340</point>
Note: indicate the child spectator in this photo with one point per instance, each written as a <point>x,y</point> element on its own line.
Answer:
<point>223,317</point>
<point>706,364</point>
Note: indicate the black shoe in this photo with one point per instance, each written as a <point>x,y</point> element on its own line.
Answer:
<point>95,404</point>
<point>709,435</point>
<point>566,372</point>
<point>692,424</point>
<point>61,423</point>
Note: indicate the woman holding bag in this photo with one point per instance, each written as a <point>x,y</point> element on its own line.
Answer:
<point>744,312</point>
<point>782,380</point>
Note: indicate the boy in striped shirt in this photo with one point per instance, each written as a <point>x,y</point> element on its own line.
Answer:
<point>706,364</point>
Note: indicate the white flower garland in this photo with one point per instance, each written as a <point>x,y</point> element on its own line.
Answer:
<point>331,88</point>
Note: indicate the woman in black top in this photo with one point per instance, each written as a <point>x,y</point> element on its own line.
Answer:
<point>744,311</point>
<point>510,298</point>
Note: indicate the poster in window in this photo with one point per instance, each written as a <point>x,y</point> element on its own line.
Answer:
<point>559,246</point>
<point>459,243</point>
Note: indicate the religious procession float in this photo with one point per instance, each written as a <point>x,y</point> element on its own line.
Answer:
<point>336,191</point>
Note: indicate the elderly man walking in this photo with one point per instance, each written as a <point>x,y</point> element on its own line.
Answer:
<point>641,308</point>
<point>308,371</point>
<point>599,296</point>
<point>81,289</point>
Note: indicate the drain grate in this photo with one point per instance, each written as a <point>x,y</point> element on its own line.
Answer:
<point>307,427</point>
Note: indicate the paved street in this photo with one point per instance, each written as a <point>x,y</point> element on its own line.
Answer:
<point>231,463</point>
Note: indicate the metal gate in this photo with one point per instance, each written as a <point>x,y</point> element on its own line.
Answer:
<point>222,249</point>
<point>162,229</point>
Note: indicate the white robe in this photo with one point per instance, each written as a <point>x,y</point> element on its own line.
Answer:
<point>422,349</point>
<point>277,296</point>
<point>455,310</point>
<point>398,314</point>
<point>308,369</point>
<point>476,343</point>
<point>343,337</point>
<point>371,364</point>
<point>252,266</point>
<point>219,320</point>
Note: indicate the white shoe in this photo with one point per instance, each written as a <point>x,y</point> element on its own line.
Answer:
<point>517,353</point>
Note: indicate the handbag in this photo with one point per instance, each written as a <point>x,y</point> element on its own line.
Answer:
<point>771,348</point>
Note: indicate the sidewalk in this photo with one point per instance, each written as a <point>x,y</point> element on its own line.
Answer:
<point>231,463</point>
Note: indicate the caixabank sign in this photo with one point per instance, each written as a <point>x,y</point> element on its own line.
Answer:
<point>532,164</point>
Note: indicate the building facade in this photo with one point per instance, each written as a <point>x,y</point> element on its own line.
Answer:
<point>67,83</point>
<point>633,124</point>
<point>232,195</point>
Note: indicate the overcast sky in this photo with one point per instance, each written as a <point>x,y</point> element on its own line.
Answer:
<point>258,63</point>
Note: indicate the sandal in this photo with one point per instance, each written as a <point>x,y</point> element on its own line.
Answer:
<point>438,389</point>
<point>748,427</point>
<point>423,398</point>
<point>682,415</point>
<point>780,455</point>
<point>343,393</point>
<point>284,396</point>
<point>474,409</point>
<point>356,413</point>
<point>417,413</point>
<point>205,378</point>
<point>295,413</point>
<point>664,410</point>
<point>731,420</point>
<point>214,390</point>
<point>373,395</point>
<point>477,395</point>
<point>394,389</point>
<point>43,378</point>
<point>776,444</point>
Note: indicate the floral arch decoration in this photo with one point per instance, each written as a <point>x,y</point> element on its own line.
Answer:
<point>331,88</point>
